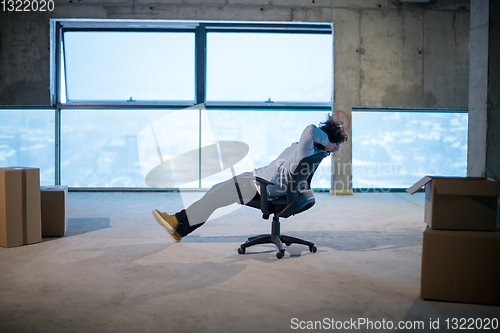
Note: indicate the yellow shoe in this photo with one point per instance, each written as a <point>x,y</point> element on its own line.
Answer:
<point>169,223</point>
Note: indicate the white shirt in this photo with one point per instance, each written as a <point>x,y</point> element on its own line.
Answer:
<point>280,170</point>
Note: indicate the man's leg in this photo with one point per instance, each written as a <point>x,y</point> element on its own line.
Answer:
<point>220,195</point>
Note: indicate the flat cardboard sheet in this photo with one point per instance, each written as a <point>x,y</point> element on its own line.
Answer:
<point>418,185</point>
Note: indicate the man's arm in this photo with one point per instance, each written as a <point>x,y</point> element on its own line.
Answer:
<point>310,135</point>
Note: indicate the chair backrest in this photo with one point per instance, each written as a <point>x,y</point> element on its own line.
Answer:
<point>299,196</point>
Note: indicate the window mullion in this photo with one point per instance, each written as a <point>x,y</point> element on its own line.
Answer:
<point>200,63</point>
<point>57,146</point>
<point>200,79</point>
<point>65,71</point>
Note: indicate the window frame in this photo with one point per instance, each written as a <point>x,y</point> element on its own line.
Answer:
<point>200,29</point>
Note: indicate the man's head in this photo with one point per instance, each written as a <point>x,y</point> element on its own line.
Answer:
<point>336,134</point>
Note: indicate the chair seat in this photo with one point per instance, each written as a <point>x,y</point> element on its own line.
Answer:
<point>281,207</point>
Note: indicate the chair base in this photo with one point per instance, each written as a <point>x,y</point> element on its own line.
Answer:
<point>277,239</point>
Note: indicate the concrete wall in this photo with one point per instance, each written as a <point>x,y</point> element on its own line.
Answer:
<point>483,158</point>
<point>493,137</point>
<point>387,53</point>
<point>478,88</point>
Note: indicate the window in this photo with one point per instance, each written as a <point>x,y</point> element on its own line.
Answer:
<point>271,67</point>
<point>129,66</point>
<point>27,139</point>
<point>118,148</point>
<point>395,148</point>
<point>129,91</point>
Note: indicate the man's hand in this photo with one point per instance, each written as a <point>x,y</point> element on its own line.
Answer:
<point>332,147</point>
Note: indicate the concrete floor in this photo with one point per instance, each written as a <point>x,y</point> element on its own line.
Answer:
<point>118,271</point>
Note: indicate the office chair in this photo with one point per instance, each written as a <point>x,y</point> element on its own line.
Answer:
<point>299,197</point>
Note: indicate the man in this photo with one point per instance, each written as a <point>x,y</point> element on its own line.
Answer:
<point>242,188</point>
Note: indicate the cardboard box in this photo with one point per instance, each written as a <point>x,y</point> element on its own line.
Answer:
<point>20,220</point>
<point>54,219</point>
<point>461,266</point>
<point>459,203</point>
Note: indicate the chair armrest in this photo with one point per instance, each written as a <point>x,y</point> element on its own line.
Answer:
<point>263,181</point>
<point>263,195</point>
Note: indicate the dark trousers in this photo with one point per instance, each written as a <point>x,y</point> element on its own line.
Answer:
<point>239,189</point>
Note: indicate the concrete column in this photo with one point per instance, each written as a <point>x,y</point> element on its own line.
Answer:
<point>483,157</point>
<point>346,91</point>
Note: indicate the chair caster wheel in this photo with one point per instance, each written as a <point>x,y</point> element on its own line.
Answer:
<point>241,250</point>
<point>279,254</point>
<point>313,249</point>
<point>288,244</point>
